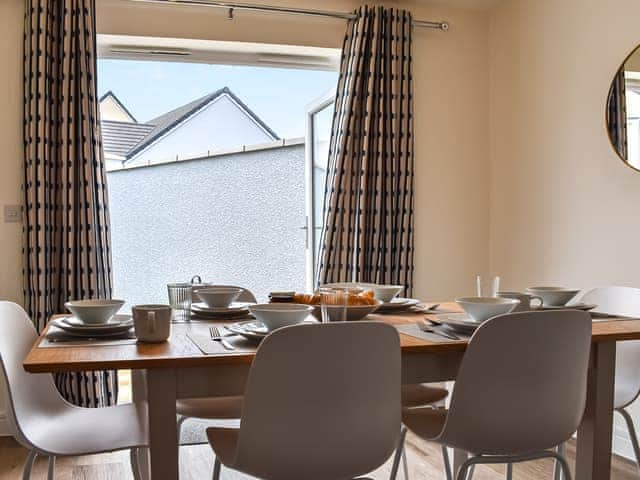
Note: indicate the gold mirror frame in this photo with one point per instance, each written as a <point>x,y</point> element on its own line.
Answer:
<point>607,123</point>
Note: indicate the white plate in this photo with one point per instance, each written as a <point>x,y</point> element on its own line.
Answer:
<point>250,329</point>
<point>234,307</point>
<point>575,306</point>
<point>397,304</point>
<point>115,321</point>
<point>458,321</point>
<point>195,315</point>
<point>93,331</point>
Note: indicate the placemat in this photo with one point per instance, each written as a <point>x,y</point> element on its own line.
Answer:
<point>56,338</point>
<point>215,347</point>
<point>414,331</point>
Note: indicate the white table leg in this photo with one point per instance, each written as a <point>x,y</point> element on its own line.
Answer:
<point>593,455</point>
<point>163,436</point>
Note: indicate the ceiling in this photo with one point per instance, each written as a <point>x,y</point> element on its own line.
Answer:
<point>218,52</point>
<point>475,4</point>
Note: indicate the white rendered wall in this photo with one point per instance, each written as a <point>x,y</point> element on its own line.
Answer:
<point>110,110</point>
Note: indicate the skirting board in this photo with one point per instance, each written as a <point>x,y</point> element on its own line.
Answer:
<point>622,444</point>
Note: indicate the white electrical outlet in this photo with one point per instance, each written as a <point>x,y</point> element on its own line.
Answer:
<point>12,213</point>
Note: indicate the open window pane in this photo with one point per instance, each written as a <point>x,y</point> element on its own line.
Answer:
<point>206,171</point>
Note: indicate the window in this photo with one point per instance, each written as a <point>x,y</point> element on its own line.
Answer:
<point>632,88</point>
<point>206,171</point>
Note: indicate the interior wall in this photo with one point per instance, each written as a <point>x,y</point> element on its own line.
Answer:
<point>563,206</point>
<point>11,30</point>
<point>450,72</point>
<point>451,108</point>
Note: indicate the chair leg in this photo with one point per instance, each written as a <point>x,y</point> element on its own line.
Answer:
<point>28,465</point>
<point>566,472</point>
<point>181,420</point>
<point>398,454</point>
<point>135,463</point>
<point>447,463</point>
<point>405,463</point>
<point>471,471</point>
<point>509,472</point>
<point>632,434</point>
<point>557,468</point>
<point>216,469</point>
<point>51,473</point>
<point>467,468</point>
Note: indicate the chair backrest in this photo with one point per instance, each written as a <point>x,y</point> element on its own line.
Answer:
<point>28,397</point>
<point>322,401</point>
<point>522,383</point>
<point>623,301</point>
<point>245,296</point>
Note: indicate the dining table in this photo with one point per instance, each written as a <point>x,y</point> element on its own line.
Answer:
<point>178,368</point>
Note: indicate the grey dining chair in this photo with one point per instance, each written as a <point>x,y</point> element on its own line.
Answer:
<point>322,402</point>
<point>520,391</point>
<point>43,422</point>
<point>623,302</point>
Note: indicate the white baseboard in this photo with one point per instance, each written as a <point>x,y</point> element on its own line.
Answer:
<point>621,443</point>
<point>4,427</point>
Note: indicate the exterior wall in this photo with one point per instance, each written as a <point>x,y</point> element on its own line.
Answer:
<point>563,207</point>
<point>233,219</point>
<point>110,110</point>
<point>220,125</point>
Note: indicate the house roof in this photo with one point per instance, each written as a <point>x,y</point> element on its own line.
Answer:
<point>120,137</point>
<point>171,119</point>
<point>120,104</point>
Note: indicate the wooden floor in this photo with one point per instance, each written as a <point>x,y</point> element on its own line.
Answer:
<point>196,463</point>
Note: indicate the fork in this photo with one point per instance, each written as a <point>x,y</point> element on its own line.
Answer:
<point>425,327</point>
<point>217,336</point>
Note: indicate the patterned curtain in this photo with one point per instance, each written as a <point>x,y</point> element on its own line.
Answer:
<point>66,233</point>
<point>617,114</point>
<point>368,224</point>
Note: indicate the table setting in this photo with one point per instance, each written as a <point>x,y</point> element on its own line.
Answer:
<point>231,326</point>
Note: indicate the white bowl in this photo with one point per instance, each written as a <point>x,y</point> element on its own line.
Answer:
<point>386,293</point>
<point>278,315</point>
<point>94,312</point>
<point>554,296</point>
<point>483,308</point>
<point>218,296</point>
<point>354,312</point>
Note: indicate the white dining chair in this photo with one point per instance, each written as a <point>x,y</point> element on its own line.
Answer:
<point>520,391</point>
<point>623,302</point>
<point>43,422</point>
<point>322,402</point>
<point>229,407</point>
<point>212,408</point>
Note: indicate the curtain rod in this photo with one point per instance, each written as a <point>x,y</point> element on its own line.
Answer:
<point>231,6</point>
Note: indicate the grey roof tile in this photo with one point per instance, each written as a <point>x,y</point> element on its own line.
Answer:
<point>118,138</point>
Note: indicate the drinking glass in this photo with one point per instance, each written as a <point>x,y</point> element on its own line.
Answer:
<point>180,300</point>
<point>333,304</point>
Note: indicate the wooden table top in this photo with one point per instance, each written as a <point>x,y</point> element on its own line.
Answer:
<point>179,351</point>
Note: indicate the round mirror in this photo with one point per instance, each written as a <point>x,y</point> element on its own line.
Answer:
<point>623,110</point>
